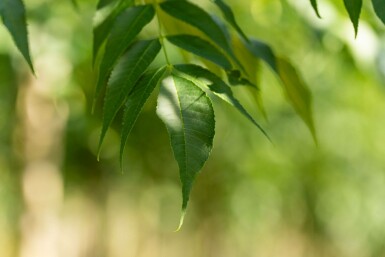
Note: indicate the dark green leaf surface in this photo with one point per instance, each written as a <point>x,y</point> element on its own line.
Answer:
<point>217,86</point>
<point>198,18</point>
<point>124,76</point>
<point>104,3</point>
<point>189,117</point>
<point>102,30</point>
<point>126,27</point>
<point>201,48</point>
<point>230,18</point>
<point>379,8</point>
<point>263,51</point>
<point>136,100</point>
<point>315,7</point>
<point>354,9</point>
<point>297,93</point>
<point>14,19</point>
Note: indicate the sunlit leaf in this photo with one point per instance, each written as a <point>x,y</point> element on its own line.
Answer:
<point>136,100</point>
<point>379,8</point>
<point>103,29</point>
<point>201,48</point>
<point>126,27</point>
<point>124,76</point>
<point>297,93</point>
<point>315,7</point>
<point>217,86</point>
<point>189,117</point>
<point>230,18</point>
<point>14,19</point>
<point>354,9</point>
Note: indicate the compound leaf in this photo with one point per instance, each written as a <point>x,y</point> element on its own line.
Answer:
<point>124,76</point>
<point>379,8</point>
<point>125,28</point>
<point>354,9</point>
<point>136,100</point>
<point>14,19</point>
<point>201,48</point>
<point>188,115</point>
<point>199,74</point>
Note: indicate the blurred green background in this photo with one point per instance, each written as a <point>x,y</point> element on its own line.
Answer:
<point>253,198</point>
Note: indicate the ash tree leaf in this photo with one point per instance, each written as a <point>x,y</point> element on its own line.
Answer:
<point>188,115</point>
<point>315,7</point>
<point>201,48</point>
<point>124,76</point>
<point>354,9</point>
<point>216,85</point>
<point>136,100</point>
<point>230,18</point>
<point>200,19</point>
<point>103,29</point>
<point>13,15</point>
<point>297,93</point>
<point>379,8</point>
<point>125,28</point>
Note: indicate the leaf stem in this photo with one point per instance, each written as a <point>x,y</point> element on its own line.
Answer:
<point>161,36</point>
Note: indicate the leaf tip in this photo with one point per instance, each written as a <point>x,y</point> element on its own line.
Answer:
<point>181,220</point>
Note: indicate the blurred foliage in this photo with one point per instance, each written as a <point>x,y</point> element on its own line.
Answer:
<point>253,198</point>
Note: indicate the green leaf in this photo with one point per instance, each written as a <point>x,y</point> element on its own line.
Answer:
<point>201,48</point>
<point>203,76</point>
<point>230,18</point>
<point>136,100</point>
<point>354,9</point>
<point>189,117</point>
<point>297,93</point>
<point>104,3</point>
<point>124,76</point>
<point>198,18</point>
<point>126,27</point>
<point>263,51</point>
<point>315,7</point>
<point>379,8</point>
<point>14,19</point>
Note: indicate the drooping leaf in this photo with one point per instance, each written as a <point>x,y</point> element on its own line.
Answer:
<point>354,9</point>
<point>125,28</point>
<point>103,29</point>
<point>379,8</point>
<point>200,19</point>
<point>217,86</point>
<point>104,3</point>
<point>136,100</point>
<point>297,93</point>
<point>124,76</point>
<point>315,7</point>
<point>201,48</point>
<point>230,18</point>
<point>189,117</point>
<point>14,19</point>
<point>264,52</point>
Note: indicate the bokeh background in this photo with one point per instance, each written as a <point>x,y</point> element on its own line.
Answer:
<point>292,198</point>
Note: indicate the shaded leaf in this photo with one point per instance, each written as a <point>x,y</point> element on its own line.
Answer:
<point>379,8</point>
<point>124,76</point>
<point>217,86</point>
<point>200,19</point>
<point>201,48</point>
<point>263,51</point>
<point>354,9</point>
<point>297,93</point>
<point>189,117</point>
<point>126,27</point>
<point>230,18</point>
<point>14,19</point>
<point>103,29</point>
<point>315,7</point>
<point>136,100</point>
<point>104,3</point>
